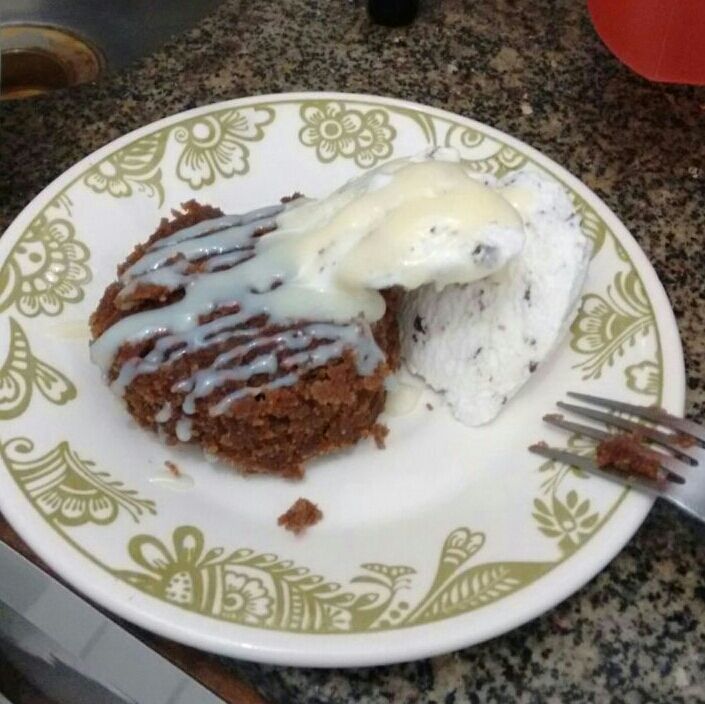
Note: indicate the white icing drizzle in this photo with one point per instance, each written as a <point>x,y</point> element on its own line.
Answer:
<point>164,413</point>
<point>210,458</point>
<point>410,222</point>
<point>182,482</point>
<point>162,435</point>
<point>402,399</point>
<point>183,429</point>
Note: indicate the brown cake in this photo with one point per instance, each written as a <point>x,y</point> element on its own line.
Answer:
<point>274,430</point>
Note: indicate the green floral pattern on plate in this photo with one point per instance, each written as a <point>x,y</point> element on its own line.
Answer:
<point>571,521</point>
<point>554,472</point>
<point>644,378</point>
<point>241,586</point>
<point>606,325</point>
<point>214,146</point>
<point>335,130</point>
<point>501,162</point>
<point>46,270</point>
<point>22,372</point>
<point>265,591</point>
<point>136,165</point>
<point>592,226</point>
<point>67,490</point>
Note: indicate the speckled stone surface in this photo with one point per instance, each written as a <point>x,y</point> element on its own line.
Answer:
<point>535,69</point>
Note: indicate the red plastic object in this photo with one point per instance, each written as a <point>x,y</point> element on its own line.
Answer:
<point>662,40</point>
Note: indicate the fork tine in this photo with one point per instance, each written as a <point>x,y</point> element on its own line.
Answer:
<point>668,463</point>
<point>589,465</point>
<point>667,440</point>
<point>588,431</point>
<point>657,415</point>
<point>569,458</point>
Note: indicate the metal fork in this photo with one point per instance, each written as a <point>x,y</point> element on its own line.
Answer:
<point>679,479</point>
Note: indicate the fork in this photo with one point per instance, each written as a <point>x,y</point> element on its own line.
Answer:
<point>678,480</point>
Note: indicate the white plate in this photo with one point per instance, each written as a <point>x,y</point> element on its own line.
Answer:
<point>448,537</point>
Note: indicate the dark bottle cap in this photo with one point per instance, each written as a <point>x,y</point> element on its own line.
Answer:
<point>393,13</point>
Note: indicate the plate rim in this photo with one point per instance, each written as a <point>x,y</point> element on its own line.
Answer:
<point>365,649</point>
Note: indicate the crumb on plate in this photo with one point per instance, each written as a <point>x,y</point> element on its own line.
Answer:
<point>300,515</point>
<point>172,468</point>
<point>379,433</point>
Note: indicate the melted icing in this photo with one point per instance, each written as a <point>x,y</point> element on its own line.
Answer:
<point>183,482</point>
<point>164,413</point>
<point>402,399</point>
<point>183,429</point>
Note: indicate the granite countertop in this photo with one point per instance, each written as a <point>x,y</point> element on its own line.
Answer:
<point>535,69</point>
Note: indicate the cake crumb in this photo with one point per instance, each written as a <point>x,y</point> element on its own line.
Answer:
<point>379,433</point>
<point>173,468</point>
<point>300,515</point>
<point>627,453</point>
<point>684,440</point>
<point>429,406</point>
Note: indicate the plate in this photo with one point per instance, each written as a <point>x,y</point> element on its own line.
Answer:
<point>450,536</point>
